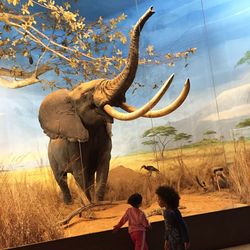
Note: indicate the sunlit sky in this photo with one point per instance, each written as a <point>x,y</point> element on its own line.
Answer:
<point>218,29</point>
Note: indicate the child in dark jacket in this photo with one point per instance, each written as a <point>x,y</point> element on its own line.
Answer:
<point>176,234</point>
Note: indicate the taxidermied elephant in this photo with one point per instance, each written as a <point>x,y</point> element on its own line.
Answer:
<point>78,122</point>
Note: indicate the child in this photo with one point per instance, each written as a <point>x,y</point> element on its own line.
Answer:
<point>176,234</point>
<point>137,222</point>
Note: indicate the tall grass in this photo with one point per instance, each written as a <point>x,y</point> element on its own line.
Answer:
<point>28,212</point>
<point>179,170</point>
<point>240,172</point>
<point>143,184</point>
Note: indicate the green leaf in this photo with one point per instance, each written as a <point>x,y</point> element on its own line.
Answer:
<point>160,131</point>
<point>209,132</point>
<point>182,136</point>
<point>150,142</point>
<point>244,59</point>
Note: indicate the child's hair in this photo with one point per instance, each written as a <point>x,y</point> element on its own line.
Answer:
<point>135,199</point>
<point>169,195</point>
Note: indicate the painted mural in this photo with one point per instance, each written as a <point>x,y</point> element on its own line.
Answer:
<point>200,146</point>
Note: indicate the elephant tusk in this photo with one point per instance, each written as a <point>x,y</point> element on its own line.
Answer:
<point>164,111</point>
<point>144,109</point>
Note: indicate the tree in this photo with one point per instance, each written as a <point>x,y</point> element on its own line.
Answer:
<point>44,36</point>
<point>209,137</point>
<point>162,136</point>
<point>182,137</point>
<point>244,59</point>
<point>244,123</point>
<point>209,133</point>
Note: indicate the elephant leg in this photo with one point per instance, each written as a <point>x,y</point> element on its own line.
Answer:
<point>67,198</point>
<point>61,178</point>
<point>102,175</point>
<point>90,188</point>
<point>79,175</point>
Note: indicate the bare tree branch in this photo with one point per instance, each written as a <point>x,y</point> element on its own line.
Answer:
<point>5,17</point>
<point>15,84</point>
<point>87,207</point>
<point>61,46</point>
<point>19,73</point>
<point>35,39</point>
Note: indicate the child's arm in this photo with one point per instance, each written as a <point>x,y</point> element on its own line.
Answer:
<point>145,221</point>
<point>183,227</point>
<point>170,217</point>
<point>184,230</point>
<point>166,245</point>
<point>122,221</point>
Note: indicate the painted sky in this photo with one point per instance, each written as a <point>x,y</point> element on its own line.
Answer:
<point>218,29</point>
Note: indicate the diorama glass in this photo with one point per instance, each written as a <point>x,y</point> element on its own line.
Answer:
<point>71,137</point>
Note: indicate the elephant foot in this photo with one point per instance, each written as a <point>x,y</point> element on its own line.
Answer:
<point>68,200</point>
<point>100,196</point>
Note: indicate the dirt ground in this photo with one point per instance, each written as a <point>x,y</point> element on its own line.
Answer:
<point>191,204</point>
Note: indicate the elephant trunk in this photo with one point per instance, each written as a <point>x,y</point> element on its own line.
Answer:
<point>116,88</point>
<point>123,81</point>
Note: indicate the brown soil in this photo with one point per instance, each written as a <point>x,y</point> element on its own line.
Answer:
<point>191,204</point>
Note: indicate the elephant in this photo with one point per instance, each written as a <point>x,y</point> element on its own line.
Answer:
<point>79,122</point>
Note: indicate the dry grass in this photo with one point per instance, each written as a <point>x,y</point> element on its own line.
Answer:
<point>179,168</point>
<point>28,212</point>
<point>240,172</point>
<point>121,186</point>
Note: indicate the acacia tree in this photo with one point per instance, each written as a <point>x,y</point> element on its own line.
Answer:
<point>161,137</point>
<point>209,136</point>
<point>181,137</point>
<point>244,123</point>
<point>43,36</point>
<point>244,59</point>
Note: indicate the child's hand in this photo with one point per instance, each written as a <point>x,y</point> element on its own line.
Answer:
<point>115,229</point>
<point>166,245</point>
<point>187,245</point>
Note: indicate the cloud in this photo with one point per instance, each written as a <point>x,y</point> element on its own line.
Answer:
<point>237,111</point>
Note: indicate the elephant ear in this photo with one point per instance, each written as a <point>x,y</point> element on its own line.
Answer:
<point>58,118</point>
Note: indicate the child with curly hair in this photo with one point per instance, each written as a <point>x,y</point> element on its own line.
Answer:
<point>137,222</point>
<point>176,234</point>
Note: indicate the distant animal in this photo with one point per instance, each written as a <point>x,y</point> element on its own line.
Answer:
<point>139,84</point>
<point>217,177</point>
<point>155,86</point>
<point>133,91</point>
<point>135,84</point>
<point>150,169</point>
<point>201,183</point>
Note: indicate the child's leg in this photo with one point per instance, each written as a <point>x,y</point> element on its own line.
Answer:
<point>139,239</point>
